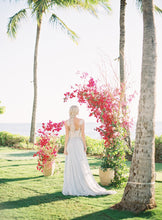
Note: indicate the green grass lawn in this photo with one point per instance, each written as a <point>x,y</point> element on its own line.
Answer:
<point>26,194</point>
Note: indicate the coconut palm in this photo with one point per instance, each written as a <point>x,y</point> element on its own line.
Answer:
<point>139,193</point>
<point>123,4</point>
<point>39,8</point>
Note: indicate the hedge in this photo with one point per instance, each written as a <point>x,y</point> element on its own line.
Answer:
<point>94,146</point>
<point>158,149</point>
<point>15,141</point>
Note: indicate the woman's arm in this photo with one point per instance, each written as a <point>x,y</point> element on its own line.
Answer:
<point>66,138</point>
<point>83,136</point>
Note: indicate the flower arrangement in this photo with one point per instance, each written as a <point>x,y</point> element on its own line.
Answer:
<point>106,105</point>
<point>47,143</point>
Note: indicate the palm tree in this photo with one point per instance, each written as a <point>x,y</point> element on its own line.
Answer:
<point>139,193</point>
<point>39,8</point>
<point>123,4</point>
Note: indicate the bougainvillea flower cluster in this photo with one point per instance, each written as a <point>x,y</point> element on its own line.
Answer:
<point>105,105</point>
<point>47,143</point>
<point>110,108</point>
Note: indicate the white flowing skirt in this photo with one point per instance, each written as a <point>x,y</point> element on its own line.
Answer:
<point>78,179</point>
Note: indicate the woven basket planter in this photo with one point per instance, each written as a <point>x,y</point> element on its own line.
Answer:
<point>49,168</point>
<point>106,176</point>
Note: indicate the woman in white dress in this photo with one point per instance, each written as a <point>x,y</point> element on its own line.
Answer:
<point>78,179</point>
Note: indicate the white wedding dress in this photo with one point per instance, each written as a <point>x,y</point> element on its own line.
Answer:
<point>78,179</point>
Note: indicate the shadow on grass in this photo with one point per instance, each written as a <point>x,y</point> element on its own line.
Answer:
<point>110,214</point>
<point>16,165</point>
<point>37,200</point>
<point>158,181</point>
<point>24,154</point>
<point>5,180</point>
<point>34,200</point>
<point>94,164</point>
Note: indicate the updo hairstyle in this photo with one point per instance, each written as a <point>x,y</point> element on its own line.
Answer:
<point>73,111</point>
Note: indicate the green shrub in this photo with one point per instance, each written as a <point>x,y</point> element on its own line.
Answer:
<point>61,143</point>
<point>14,140</point>
<point>158,141</point>
<point>129,152</point>
<point>158,149</point>
<point>94,146</point>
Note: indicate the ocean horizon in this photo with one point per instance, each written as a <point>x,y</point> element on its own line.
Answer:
<point>24,129</point>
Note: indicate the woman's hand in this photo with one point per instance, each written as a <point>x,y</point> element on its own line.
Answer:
<point>85,148</point>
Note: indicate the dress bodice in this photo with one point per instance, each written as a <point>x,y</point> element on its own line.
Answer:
<point>73,132</point>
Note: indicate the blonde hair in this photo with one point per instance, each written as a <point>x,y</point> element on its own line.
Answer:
<point>73,111</point>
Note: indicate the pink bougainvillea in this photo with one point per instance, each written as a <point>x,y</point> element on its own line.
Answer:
<point>105,105</point>
<point>111,112</point>
<point>47,143</point>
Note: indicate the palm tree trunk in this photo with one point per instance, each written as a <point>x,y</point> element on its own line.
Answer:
<point>122,41</point>
<point>122,58</point>
<point>33,121</point>
<point>139,193</point>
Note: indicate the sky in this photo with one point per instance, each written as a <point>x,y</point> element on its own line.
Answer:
<point>59,59</point>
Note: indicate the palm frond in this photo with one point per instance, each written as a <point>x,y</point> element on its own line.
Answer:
<point>105,5</point>
<point>91,5</point>
<point>88,5</point>
<point>78,4</point>
<point>157,9</point>
<point>30,2</point>
<point>58,22</point>
<point>139,5</point>
<point>39,5</point>
<point>62,3</point>
<point>14,21</point>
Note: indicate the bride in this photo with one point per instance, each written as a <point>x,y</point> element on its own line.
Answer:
<point>78,179</point>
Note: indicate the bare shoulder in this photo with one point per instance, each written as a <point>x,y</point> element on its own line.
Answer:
<point>67,123</point>
<point>81,121</point>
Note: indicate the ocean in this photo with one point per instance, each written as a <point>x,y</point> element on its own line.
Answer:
<point>24,129</point>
